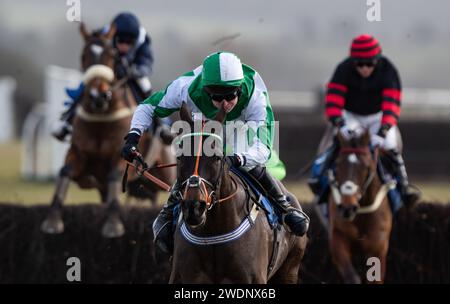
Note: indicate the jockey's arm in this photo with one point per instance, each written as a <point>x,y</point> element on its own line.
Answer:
<point>391,99</point>
<point>260,120</point>
<point>258,153</point>
<point>160,104</point>
<point>143,62</point>
<point>335,97</point>
<point>142,119</point>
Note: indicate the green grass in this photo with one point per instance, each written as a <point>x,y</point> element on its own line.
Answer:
<point>13,189</point>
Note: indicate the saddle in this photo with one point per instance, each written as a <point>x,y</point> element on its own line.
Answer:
<point>274,215</point>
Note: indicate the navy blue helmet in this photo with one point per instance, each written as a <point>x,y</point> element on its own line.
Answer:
<point>127,27</point>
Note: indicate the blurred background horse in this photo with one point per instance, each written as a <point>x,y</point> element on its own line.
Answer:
<point>102,120</point>
<point>359,211</point>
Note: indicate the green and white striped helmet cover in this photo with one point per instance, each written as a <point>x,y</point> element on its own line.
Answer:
<point>222,69</point>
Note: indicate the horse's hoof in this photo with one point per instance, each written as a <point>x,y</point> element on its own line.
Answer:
<point>53,224</point>
<point>113,227</point>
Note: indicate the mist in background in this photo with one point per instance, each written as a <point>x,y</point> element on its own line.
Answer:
<point>295,45</point>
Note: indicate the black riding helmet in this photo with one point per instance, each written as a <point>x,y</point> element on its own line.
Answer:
<point>127,28</point>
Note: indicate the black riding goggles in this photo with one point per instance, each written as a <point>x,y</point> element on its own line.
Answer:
<point>366,63</point>
<point>125,39</point>
<point>228,96</point>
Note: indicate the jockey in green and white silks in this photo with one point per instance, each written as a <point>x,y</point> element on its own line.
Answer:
<point>221,82</point>
<point>253,105</point>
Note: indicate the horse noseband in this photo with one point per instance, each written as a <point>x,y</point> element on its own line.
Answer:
<point>100,98</point>
<point>200,183</point>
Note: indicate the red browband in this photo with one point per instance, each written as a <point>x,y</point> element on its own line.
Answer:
<point>348,150</point>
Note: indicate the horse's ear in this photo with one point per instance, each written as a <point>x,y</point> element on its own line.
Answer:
<point>83,31</point>
<point>185,114</point>
<point>341,139</point>
<point>365,138</point>
<point>111,32</point>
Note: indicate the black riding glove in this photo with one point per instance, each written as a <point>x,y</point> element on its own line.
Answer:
<point>235,160</point>
<point>121,71</point>
<point>337,121</point>
<point>122,67</point>
<point>129,150</point>
<point>382,132</point>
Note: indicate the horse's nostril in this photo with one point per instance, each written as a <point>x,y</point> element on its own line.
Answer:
<point>99,104</point>
<point>347,212</point>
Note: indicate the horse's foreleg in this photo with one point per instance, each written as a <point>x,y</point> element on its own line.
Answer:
<point>53,223</point>
<point>174,277</point>
<point>113,226</point>
<point>383,262</point>
<point>342,258</point>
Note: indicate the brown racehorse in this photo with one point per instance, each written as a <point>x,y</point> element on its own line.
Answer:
<point>360,215</point>
<point>101,122</point>
<point>222,235</point>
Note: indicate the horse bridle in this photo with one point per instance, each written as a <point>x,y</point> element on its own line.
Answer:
<point>94,48</point>
<point>107,95</point>
<point>196,181</point>
<point>335,185</point>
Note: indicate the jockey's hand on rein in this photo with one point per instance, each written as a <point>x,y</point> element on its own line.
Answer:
<point>337,121</point>
<point>129,150</point>
<point>121,71</point>
<point>377,140</point>
<point>383,130</point>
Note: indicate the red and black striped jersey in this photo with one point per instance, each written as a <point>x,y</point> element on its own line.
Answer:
<point>364,96</point>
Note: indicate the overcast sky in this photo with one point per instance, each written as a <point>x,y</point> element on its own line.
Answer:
<point>294,44</point>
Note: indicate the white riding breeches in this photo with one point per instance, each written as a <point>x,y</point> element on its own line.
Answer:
<point>372,123</point>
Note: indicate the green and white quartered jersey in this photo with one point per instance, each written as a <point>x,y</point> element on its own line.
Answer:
<point>253,107</point>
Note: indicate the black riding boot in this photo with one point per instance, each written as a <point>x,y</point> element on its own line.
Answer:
<point>409,194</point>
<point>314,181</point>
<point>162,226</point>
<point>296,220</point>
<point>67,117</point>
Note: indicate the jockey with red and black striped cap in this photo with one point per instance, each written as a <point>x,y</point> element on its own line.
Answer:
<point>365,91</point>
